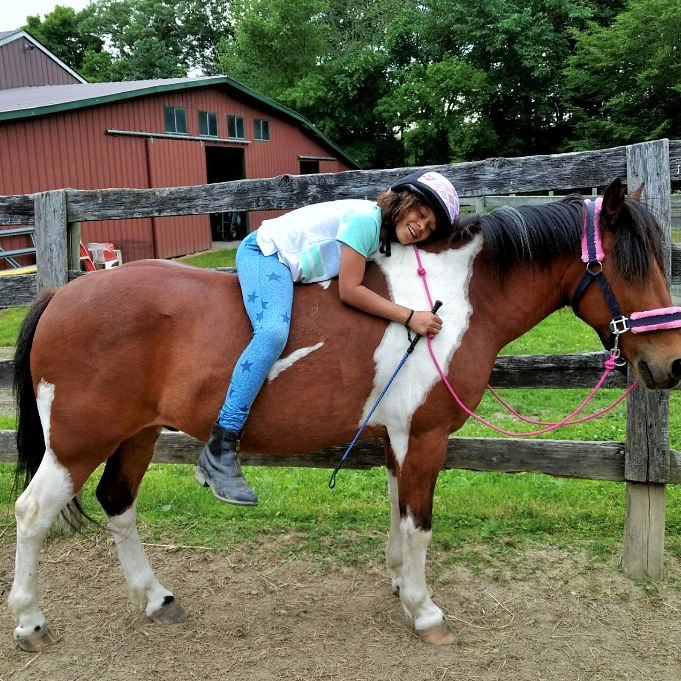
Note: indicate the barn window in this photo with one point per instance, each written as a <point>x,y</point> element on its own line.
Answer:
<point>309,166</point>
<point>175,119</point>
<point>235,127</point>
<point>261,129</point>
<point>208,123</point>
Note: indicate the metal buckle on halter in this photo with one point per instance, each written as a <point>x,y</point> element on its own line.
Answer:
<point>619,325</point>
<point>594,272</point>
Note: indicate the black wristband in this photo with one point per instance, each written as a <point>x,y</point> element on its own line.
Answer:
<point>411,314</point>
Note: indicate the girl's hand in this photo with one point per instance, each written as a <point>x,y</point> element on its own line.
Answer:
<point>425,322</point>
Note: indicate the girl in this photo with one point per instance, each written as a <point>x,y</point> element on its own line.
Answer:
<point>307,245</point>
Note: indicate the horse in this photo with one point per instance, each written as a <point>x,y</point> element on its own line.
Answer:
<point>106,361</point>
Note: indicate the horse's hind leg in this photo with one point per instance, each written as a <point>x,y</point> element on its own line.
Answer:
<point>36,509</point>
<point>50,489</point>
<point>117,493</point>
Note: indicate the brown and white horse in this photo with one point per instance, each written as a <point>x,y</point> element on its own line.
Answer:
<point>104,362</point>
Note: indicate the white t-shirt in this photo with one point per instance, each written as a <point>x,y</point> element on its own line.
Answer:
<point>308,240</point>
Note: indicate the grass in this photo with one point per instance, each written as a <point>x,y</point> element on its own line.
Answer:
<point>499,512</point>
<point>10,321</point>
<point>210,259</point>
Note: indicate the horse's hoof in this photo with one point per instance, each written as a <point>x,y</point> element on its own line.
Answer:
<point>439,635</point>
<point>36,641</point>
<point>171,612</point>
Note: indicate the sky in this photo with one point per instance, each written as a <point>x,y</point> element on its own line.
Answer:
<point>13,13</point>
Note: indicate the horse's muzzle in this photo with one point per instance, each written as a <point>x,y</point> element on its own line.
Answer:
<point>656,377</point>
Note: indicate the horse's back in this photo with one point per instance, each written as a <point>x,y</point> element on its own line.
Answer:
<point>156,341</point>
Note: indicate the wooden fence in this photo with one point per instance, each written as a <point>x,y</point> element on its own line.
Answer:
<point>644,461</point>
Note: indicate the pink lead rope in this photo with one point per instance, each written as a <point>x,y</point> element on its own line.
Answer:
<point>609,364</point>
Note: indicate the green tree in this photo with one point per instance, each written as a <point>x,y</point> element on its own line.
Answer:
<point>276,43</point>
<point>205,23</point>
<point>521,47</point>
<point>142,37</point>
<point>342,96</point>
<point>625,79</point>
<point>326,59</point>
<point>436,109</point>
<point>136,39</point>
<point>62,33</point>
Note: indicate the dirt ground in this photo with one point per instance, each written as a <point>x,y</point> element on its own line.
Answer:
<point>540,615</point>
<point>546,615</point>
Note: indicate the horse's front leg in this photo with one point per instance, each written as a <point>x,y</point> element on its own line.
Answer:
<point>393,549</point>
<point>416,480</point>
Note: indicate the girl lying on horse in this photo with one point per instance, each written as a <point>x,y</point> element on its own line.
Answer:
<point>314,244</point>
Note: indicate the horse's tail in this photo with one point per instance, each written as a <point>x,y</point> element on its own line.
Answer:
<point>30,439</point>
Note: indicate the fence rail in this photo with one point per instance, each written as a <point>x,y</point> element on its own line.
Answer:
<point>644,462</point>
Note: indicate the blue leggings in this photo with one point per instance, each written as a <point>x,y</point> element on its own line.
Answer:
<point>267,291</point>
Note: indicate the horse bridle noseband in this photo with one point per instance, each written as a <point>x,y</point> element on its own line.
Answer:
<point>593,256</point>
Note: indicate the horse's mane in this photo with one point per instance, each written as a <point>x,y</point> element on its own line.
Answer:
<point>543,234</point>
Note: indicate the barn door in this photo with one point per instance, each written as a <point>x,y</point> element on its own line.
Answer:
<point>224,164</point>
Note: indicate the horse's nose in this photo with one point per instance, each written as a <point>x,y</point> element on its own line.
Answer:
<point>676,369</point>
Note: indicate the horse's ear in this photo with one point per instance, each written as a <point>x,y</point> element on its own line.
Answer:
<point>613,201</point>
<point>637,193</point>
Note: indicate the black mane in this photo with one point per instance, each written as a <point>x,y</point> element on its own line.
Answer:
<point>543,234</point>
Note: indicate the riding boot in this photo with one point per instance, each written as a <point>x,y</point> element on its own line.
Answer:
<point>218,468</point>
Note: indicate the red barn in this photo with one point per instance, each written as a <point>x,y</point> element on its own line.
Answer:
<point>155,133</point>
<point>24,61</point>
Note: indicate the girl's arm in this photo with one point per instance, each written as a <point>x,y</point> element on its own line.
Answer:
<point>352,292</point>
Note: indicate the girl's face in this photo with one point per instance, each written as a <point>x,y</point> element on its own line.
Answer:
<point>417,224</point>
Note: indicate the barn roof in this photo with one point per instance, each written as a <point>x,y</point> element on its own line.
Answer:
<point>31,102</point>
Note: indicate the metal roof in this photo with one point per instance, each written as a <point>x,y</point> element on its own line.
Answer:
<point>31,102</point>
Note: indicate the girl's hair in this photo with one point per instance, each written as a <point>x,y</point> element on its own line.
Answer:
<point>394,206</point>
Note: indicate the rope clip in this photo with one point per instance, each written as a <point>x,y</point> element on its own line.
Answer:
<point>615,355</point>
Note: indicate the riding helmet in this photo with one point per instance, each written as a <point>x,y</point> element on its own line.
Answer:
<point>437,191</point>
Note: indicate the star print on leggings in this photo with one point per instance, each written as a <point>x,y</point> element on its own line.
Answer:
<point>246,366</point>
<point>273,277</point>
<point>252,297</point>
<point>285,318</point>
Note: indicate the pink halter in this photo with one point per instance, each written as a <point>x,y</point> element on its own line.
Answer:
<point>592,256</point>
<point>638,322</point>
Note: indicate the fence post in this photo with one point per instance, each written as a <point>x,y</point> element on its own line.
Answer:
<point>51,241</point>
<point>647,458</point>
<point>480,206</point>
<point>74,237</point>
<point>53,255</point>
